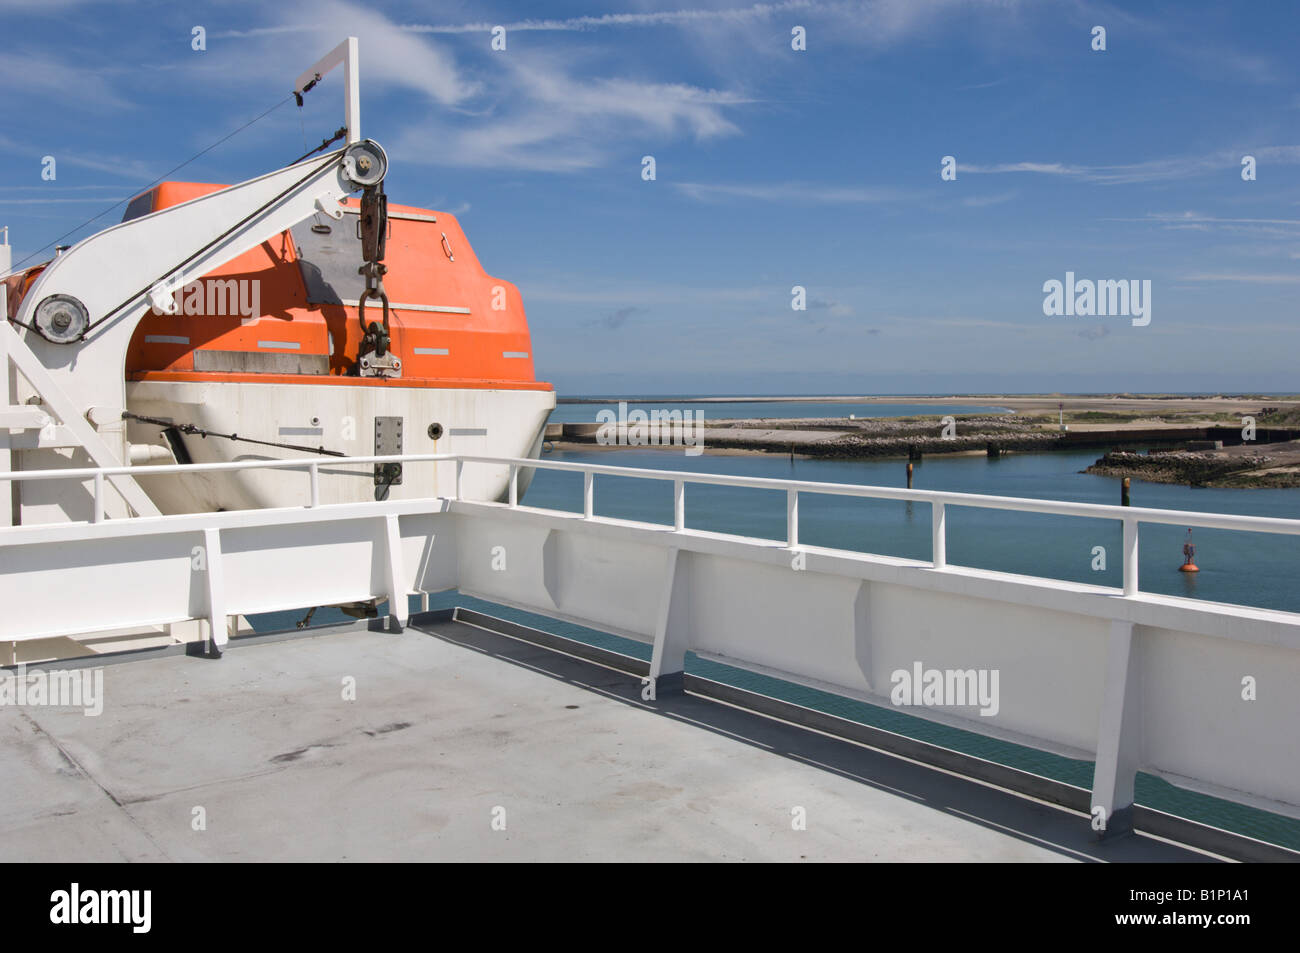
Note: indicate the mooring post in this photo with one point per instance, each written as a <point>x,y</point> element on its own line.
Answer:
<point>909,475</point>
<point>1123,492</point>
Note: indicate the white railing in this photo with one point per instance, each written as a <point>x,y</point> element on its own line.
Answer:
<point>1129,516</point>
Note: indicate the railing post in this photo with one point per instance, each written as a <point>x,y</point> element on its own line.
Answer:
<point>938,535</point>
<point>313,471</point>
<point>218,624</point>
<point>1130,556</point>
<point>514,485</point>
<point>460,466</point>
<point>588,494</point>
<point>99,496</point>
<point>394,575</point>
<point>679,505</point>
<point>792,518</point>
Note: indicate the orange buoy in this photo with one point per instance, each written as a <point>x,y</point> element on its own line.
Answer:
<point>1189,550</point>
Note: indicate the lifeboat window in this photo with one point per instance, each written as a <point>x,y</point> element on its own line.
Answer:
<point>139,206</point>
<point>329,259</point>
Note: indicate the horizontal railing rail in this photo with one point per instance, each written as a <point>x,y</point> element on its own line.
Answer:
<point>939,500</point>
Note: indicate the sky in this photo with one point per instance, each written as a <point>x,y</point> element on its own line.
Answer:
<point>774,168</point>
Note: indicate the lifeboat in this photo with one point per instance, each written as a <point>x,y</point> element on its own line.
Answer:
<point>462,377</point>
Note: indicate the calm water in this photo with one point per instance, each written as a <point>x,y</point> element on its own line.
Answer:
<point>1256,569</point>
<point>723,410</point>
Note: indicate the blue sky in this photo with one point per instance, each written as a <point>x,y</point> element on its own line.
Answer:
<point>775,168</point>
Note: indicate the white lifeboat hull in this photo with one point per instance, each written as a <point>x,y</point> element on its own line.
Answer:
<point>337,417</point>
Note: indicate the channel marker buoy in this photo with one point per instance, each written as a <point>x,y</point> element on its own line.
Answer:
<point>1189,550</point>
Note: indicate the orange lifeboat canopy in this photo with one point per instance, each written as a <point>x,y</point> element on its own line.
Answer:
<point>287,310</point>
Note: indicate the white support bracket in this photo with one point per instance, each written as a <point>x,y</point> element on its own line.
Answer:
<point>1118,739</point>
<point>668,660</point>
<point>398,611</point>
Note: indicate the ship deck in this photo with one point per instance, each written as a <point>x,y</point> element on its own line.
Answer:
<point>452,723</point>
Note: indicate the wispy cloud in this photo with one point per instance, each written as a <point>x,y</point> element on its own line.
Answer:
<point>1183,218</point>
<point>529,110</point>
<point>60,81</point>
<point>1245,278</point>
<point>757,11</point>
<point>123,167</point>
<point>406,62</point>
<point>835,308</point>
<point>545,119</point>
<point>1180,167</point>
<point>666,107</point>
<point>583,292</point>
<point>984,201</point>
<point>796,192</point>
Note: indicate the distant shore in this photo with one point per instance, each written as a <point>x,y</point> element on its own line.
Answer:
<point>1198,440</point>
<point>1044,401</point>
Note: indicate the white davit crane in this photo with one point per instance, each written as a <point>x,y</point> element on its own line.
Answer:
<point>78,317</point>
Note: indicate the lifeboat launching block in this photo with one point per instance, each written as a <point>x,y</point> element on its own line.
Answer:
<point>297,314</point>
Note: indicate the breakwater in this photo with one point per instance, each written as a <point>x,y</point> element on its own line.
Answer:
<point>849,438</point>
<point>1206,468</point>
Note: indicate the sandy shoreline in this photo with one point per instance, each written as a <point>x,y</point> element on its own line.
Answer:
<point>1199,427</point>
<point>1022,403</point>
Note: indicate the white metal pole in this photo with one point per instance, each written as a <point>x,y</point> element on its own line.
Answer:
<point>1130,557</point>
<point>938,535</point>
<point>346,54</point>
<point>352,80</point>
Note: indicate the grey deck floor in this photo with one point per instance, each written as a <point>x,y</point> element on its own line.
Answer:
<point>451,722</point>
